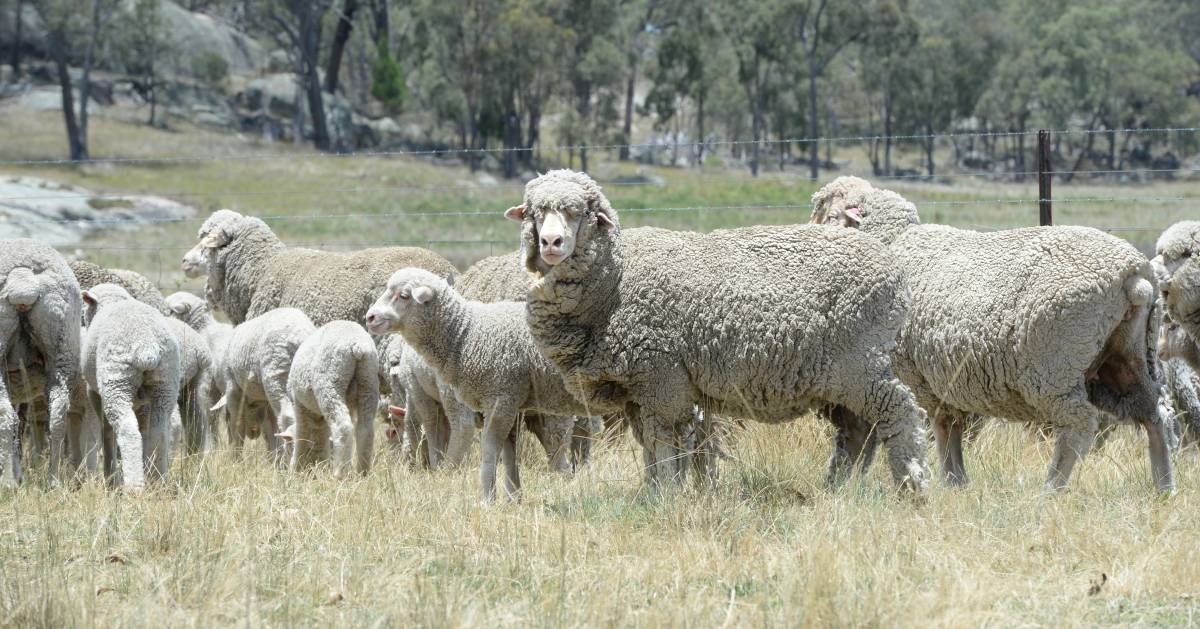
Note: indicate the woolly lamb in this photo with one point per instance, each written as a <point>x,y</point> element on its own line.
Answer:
<point>255,373</point>
<point>137,285</point>
<point>40,305</point>
<point>438,428</point>
<point>250,271</point>
<point>131,355</point>
<point>194,311</point>
<point>1036,324</point>
<point>334,388</point>
<point>745,323</point>
<point>483,351</point>
<point>1178,251</point>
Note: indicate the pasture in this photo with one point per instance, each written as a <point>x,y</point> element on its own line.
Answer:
<point>234,541</point>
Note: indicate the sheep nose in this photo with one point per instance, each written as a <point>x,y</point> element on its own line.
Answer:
<point>371,318</point>
<point>556,241</point>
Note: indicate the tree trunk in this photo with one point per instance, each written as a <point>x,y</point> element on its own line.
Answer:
<point>309,32</point>
<point>700,129</point>
<point>78,150</point>
<point>383,23</point>
<point>340,37</point>
<point>887,133</point>
<point>298,103</point>
<point>627,124</point>
<point>814,156</point>
<point>15,54</point>
<point>929,141</point>
<point>85,87</point>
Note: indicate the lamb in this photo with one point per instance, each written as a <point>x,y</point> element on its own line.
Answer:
<point>40,305</point>
<point>1036,324</point>
<point>131,355</point>
<point>255,375</point>
<point>250,271</point>
<point>438,428</point>
<point>485,352</point>
<point>193,311</point>
<point>195,376</point>
<point>137,285</point>
<point>1178,252</point>
<point>675,320</point>
<point>334,389</point>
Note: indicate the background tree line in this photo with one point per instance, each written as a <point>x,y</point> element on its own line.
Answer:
<point>687,76</point>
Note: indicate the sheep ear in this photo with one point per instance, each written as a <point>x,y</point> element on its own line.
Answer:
<point>853,217</point>
<point>179,308</point>
<point>604,222</point>
<point>286,436</point>
<point>89,299</point>
<point>397,411</point>
<point>515,213</point>
<point>214,239</point>
<point>422,294</point>
<point>219,405</point>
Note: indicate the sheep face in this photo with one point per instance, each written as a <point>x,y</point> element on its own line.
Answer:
<point>405,302</point>
<point>561,209</point>
<point>195,262</point>
<point>184,305</point>
<point>1182,294</point>
<point>213,234</point>
<point>839,202</point>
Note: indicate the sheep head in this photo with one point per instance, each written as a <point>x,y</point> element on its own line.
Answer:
<point>853,202</point>
<point>1177,265</point>
<point>562,210</point>
<point>187,307</point>
<point>406,302</point>
<point>195,261</point>
<point>101,295</point>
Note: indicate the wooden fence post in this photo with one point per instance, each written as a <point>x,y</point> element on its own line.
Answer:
<point>1045,216</point>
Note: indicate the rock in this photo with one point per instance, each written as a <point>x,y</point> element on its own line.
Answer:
<point>60,214</point>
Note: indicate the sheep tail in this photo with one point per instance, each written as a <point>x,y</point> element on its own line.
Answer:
<point>145,357</point>
<point>1139,290</point>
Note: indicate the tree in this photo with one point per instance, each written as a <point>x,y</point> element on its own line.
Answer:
<point>345,23</point>
<point>297,25</point>
<point>14,58</point>
<point>387,80</point>
<point>592,64</point>
<point>688,63</point>
<point>641,14</point>
<point>143,43</point>
<point>65,25</point>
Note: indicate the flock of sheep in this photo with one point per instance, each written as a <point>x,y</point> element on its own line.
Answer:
<point>883,325</point>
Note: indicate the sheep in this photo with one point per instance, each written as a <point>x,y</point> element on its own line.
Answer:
<point>194,311</point>
<point>250,271</point>
<point>195,375</point>
<point>137,285</point>
<point>438,428</point>
<point>1178,253</point>
<point>485,352</point>
<point>334,389</point>
<point>1035,324</point>
<point>130,355</point>
<point>26,380</point>
<point>40,305</point>
<point>255,375</point>
<point>669,320</point>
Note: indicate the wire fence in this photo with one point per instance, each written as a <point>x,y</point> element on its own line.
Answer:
<point>1014,203</point>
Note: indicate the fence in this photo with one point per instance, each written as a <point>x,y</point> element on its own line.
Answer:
<point>166,253</point>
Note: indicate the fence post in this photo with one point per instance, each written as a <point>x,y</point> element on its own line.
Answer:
<point>1045,216</point>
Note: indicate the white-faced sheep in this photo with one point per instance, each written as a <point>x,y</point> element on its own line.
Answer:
<point>484,351</point>
<point>1036,324</point>
<point>746,323</point>
<point>334,389</point>
<point>194,311</point>
<point>255,371</point>
<point>131,362</point>
<point>41,305</point>
<point>1178,251</point>
<point>251,271</point>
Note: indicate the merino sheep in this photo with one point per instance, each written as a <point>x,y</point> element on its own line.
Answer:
<point>745,322</point>
<point>334,388</point>
<point>1178,251</point>
<point>438,428</point>
<point>137,285</point>
<point>485,352</point>
<point>194,311</point>
<point>195,376</point>
<point>40,305</point>
<point>1035,324</point>
<point>131,355</point>
<point>26,381</point>
<point>251,271</point>
<point>255,372</point>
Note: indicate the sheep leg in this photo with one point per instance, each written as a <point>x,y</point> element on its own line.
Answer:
<point>496,429</point>
<point>948,434</point>
<point>194,420</point>
<point>236,416</point>
<point>341,430</point>
<point>704,456</point>
<point>512,475</point>
<point>662,440</point>
<point>117,404</point>
<point>423,410</point>
<point>159,429</point>
<point>1078,421</point>
<point>10,462</point>
<point>854,444</point>
<point>32,456</point>
<point>462,431</point>
<point>1160,456</point>
<point>269,426</point>
<point>364,442</point>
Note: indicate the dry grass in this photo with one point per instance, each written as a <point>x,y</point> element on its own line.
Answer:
<point>236,542</point>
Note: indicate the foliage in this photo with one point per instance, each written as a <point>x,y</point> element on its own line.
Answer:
<point>211,68</point>
<point>387,80</point>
